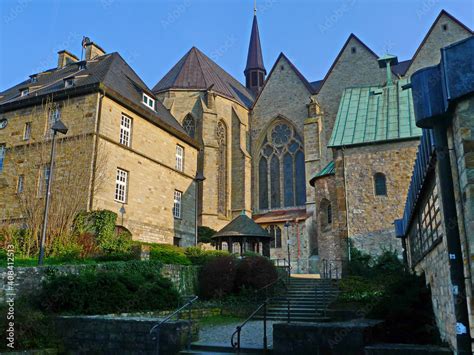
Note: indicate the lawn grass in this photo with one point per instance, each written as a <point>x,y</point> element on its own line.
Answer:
<point>48,261</point>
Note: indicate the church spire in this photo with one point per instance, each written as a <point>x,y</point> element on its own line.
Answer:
<point>255,70</point>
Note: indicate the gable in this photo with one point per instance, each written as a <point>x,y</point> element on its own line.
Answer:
<point>445,30</point>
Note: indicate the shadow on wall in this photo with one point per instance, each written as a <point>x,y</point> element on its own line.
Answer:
<point>184,216</point>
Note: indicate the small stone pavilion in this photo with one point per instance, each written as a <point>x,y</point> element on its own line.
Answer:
<point>242,234</point>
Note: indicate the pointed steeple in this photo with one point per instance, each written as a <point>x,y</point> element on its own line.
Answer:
<point>255,70</point>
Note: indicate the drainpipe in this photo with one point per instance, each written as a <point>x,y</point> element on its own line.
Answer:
<point>456,267</point>
<point>96,142</point>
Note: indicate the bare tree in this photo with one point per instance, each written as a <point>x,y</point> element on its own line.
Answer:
<point>71,181</point>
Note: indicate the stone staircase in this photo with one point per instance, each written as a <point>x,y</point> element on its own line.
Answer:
<point>216,349</point>
<point>309,299</point>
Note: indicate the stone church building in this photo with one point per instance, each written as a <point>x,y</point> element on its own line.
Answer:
<point>315,163</point>
<point>263,146</point>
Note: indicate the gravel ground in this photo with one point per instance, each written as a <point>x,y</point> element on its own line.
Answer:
<point>251,335</point>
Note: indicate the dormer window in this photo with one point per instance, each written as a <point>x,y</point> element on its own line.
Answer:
<point>24,92</point>
<point>149,101</point>
<point>69,82</point>
<point>33,78</point>
<point>82,65</point>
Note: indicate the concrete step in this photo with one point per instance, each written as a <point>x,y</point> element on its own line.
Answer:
<point>220,348</point>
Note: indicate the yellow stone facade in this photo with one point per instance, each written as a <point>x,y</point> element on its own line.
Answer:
<point>94,129</point>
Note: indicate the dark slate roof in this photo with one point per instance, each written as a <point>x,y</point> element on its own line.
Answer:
<point>255,57</point>
<point>242,226</point>
<point>110,70</point>
<point>316,85</point>
<point>327,170</point>
<point>401,68</point>
<point>374,114</point>
<point>196,71</point>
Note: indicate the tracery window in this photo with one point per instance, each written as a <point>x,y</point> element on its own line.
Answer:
<point>221,136</point>
<point>281,169</point>
<point>189,125</point>
<point>275,234</point>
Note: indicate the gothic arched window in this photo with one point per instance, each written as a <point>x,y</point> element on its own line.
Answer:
<point>281,168</point>
<point>221,136</point>
<point>380,184</point>
<point>189,125</point>
<point>275,234</point>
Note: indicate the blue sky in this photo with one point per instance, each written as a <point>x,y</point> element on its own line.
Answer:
<point>153,35</point>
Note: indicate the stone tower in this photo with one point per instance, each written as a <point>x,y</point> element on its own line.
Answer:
<point>255,70</point>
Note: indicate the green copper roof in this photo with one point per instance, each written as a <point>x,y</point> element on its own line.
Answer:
<point>374,114</point>
<point>327,170</point>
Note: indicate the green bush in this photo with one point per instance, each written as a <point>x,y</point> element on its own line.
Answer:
<point>255,272</point>
<point>168,254</point>
<point>33,329</point>
<point>129,290</point>
<point>197,256</point>
<point>101,223</point>
<point>359,289</point>
<point>217,277</point>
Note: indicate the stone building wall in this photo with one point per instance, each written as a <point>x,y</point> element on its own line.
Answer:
<point>367,212</point>
<point>151,163</point>
<point>28,157</point>
<point>208,109</point>
<point>357,68</point>
<point>284,97</point>
<point>429,53</point>
<point>461,140</point>
<point>328,245</point>
<point>297,236</point>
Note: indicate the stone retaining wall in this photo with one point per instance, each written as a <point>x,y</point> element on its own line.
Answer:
<point>122,335</point>
<point>28,280</point>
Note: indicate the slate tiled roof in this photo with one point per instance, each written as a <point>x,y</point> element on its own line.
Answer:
<point>196,71</point>
<point>110,70</point>
<point>374,114</point>
<point>402,67</point>
<point>327,170</point>
<point>255,57</point>
<point>242,226</point>
<point>316,85</point>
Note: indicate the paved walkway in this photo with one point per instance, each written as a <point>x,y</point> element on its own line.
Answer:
<point>251,335</point>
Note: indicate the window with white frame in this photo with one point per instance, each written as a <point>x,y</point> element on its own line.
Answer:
<point>69,82</point>
<point>125,130</point>
<point>2,156</point>
<point>179,158</point>
<point>53,117</point>
<point>177,204</point>
<point>121,182</point>
<point>20,184</point>
<point>149,101</point>
<point>27,131</point>
<point>24,92</point>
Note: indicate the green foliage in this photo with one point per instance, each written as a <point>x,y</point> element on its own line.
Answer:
<point>197,256</point>
<point>102,224</point>
<point>385,289</point>
<point>168,254</point>
<point>33,329</point>
<point>217,277</point>
<point>255,272</point>
<point>205,234</point>
<point>407,311</point>
<point>22,239</point>
<point>123,287</point>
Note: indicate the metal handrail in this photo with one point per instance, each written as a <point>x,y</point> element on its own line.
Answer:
<point>155,330</point>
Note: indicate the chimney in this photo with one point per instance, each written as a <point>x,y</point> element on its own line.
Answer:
<point>93,50</point>
<point>65,57</point>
